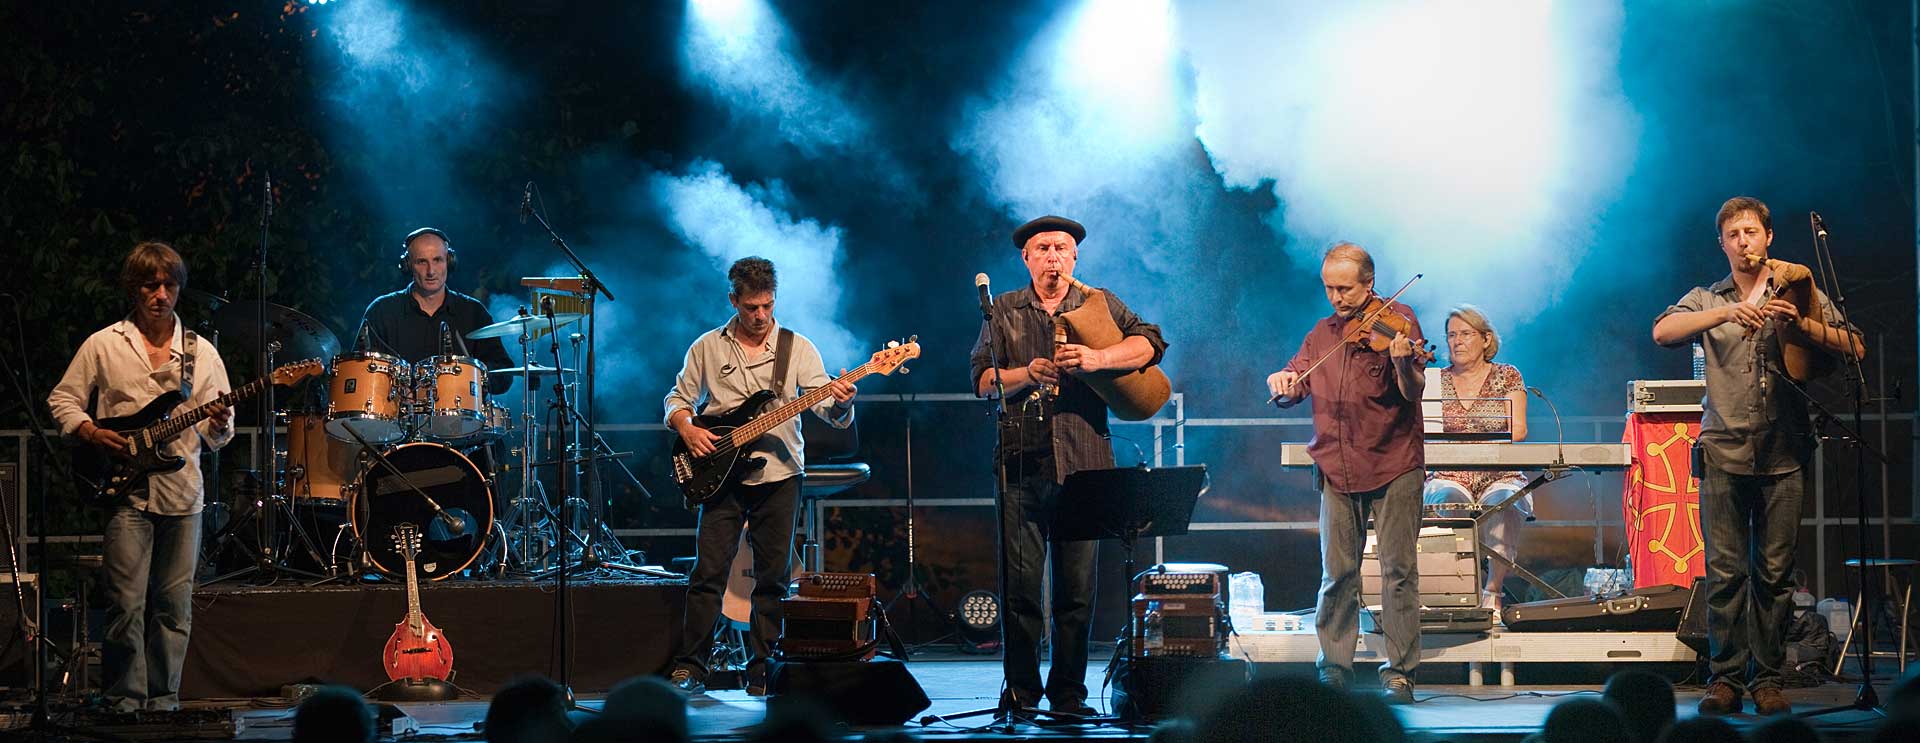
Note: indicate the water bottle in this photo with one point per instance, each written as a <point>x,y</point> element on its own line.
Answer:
<point>1839,616</point>
<point>1699,361</point>
<point>1155,637</point>
<point>1249,598</point>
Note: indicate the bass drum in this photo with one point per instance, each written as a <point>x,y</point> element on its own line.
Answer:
<point>381,501</point>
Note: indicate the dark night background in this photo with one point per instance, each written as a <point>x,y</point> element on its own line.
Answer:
<point>880,153</point>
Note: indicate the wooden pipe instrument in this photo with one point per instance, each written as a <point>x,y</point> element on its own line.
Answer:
<point>1804,359</point>
<point>1132,396</point>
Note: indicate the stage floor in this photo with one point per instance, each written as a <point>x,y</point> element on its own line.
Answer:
<point>1453,712</point>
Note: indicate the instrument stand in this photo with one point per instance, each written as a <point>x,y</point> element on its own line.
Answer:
<point>912,592</point>
<point>1551,473</point>
<point>261,508</point>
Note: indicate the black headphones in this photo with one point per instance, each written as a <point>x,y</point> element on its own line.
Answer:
<point>407,243</point>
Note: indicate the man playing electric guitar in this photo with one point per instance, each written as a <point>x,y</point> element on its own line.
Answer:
<point>153,536</point>
<point>725,367</point>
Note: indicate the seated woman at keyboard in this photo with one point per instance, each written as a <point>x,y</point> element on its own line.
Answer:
<point>1479,396</point>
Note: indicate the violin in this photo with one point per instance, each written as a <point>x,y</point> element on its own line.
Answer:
<point>1374,327</point>
<point>1378,324</point>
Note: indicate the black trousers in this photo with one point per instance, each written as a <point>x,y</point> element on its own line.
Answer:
<point>1024,551</point>
<point>767,511</point>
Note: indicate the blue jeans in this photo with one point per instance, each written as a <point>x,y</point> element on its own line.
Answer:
<point>1751,525</point>
<point>149,565</point>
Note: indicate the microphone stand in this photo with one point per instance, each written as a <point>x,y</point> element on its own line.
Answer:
<point>41,726</point>
<point>1865,699</point>
<point>592,287</point>
<point>1006,710</point>
<point>1558,469</point>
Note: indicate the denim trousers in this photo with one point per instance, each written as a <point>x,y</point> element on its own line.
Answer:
<point>1750,525</point>
<point>1343,538</point>
<point>149,563</point>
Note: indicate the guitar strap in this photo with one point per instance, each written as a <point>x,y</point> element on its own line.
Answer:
<point>782,353</point>
<point>186,367</point>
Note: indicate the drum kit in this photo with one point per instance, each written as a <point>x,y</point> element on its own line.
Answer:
<point>395,442</point>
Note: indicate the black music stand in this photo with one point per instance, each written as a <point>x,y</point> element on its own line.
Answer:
<point>1124,503</point>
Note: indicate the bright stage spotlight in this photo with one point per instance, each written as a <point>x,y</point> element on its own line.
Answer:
<point>978,620</point>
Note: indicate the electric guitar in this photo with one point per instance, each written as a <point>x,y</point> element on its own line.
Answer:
<point>702,479</point>
<point>417,649</point>
<point>148,432</point>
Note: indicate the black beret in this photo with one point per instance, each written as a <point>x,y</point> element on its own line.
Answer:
<point>1048,223</point>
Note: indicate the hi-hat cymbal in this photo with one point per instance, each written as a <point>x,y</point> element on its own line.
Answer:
<point>518,323</point>
<point>299,334</point>
<point>537,369</point>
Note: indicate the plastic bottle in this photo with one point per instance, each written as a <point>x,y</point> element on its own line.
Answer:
<point>1249,597</point>
<point>1839,616</point>
<point>1699,361</point>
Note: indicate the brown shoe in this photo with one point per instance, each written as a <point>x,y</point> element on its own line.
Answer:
<point>1768,701</point>
<point>1721,699</point>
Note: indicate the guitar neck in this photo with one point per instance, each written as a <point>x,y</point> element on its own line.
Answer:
<point>758,427</point>
<point>413,595</point>
<point>167,428</point>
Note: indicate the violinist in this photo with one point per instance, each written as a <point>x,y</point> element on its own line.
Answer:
<point>1364,368</point>
<point>1755,451</point>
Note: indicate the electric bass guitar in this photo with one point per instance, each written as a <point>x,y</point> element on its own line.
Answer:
<point>149,431</point>
<point>702,479</point>
<point>417,649</point>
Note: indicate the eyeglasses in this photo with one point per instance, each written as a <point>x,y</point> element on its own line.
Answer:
<point>1462,334</point>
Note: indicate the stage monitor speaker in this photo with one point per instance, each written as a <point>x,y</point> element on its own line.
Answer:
<point>16,656</point>
<point>1693,623</point>
<point>1155,688</point>
<point>879,692</point>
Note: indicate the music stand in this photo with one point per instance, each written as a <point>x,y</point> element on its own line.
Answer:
<point>1124,503</point>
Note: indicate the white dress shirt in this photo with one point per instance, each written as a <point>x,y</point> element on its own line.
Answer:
<point>114,363</point>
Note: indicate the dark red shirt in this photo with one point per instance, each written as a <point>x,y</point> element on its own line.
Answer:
<point>1365,433</point>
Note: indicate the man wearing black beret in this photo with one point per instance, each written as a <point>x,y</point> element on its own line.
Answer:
<point>1056,425</point>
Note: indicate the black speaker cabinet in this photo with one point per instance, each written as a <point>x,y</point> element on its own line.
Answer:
<point>879,692</point>
<point>1693,623</point>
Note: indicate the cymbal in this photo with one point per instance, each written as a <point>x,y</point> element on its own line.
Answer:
<point>538,369</point>
<point>299,334</point>
<point>203,300</point>
<point>518,323</point>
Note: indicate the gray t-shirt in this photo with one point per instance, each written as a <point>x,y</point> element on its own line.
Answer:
<point>1754,424</point>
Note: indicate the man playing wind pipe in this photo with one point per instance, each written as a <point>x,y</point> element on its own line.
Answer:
<point>1754,454</point>
<point>1045,438</point>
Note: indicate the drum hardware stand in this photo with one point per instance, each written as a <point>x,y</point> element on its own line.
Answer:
<point>264,504</point>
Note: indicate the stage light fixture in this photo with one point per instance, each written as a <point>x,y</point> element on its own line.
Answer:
<point>978,621</point>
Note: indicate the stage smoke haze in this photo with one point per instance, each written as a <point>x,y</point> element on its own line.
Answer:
<point>726,222</point>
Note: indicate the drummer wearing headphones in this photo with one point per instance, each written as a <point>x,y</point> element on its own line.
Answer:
<point>407,323</point>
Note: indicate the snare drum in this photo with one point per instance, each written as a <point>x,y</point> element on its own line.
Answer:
<point>366,395</point>
<point>318,466</point>
<point>452,393</point>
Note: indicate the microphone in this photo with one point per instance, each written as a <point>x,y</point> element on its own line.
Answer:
<point>365,341</point>
<point>1819,225</point>
<point>446,339</point>
<point>986,297</point>
<point>1560,458</point>
<point>526,202</point>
